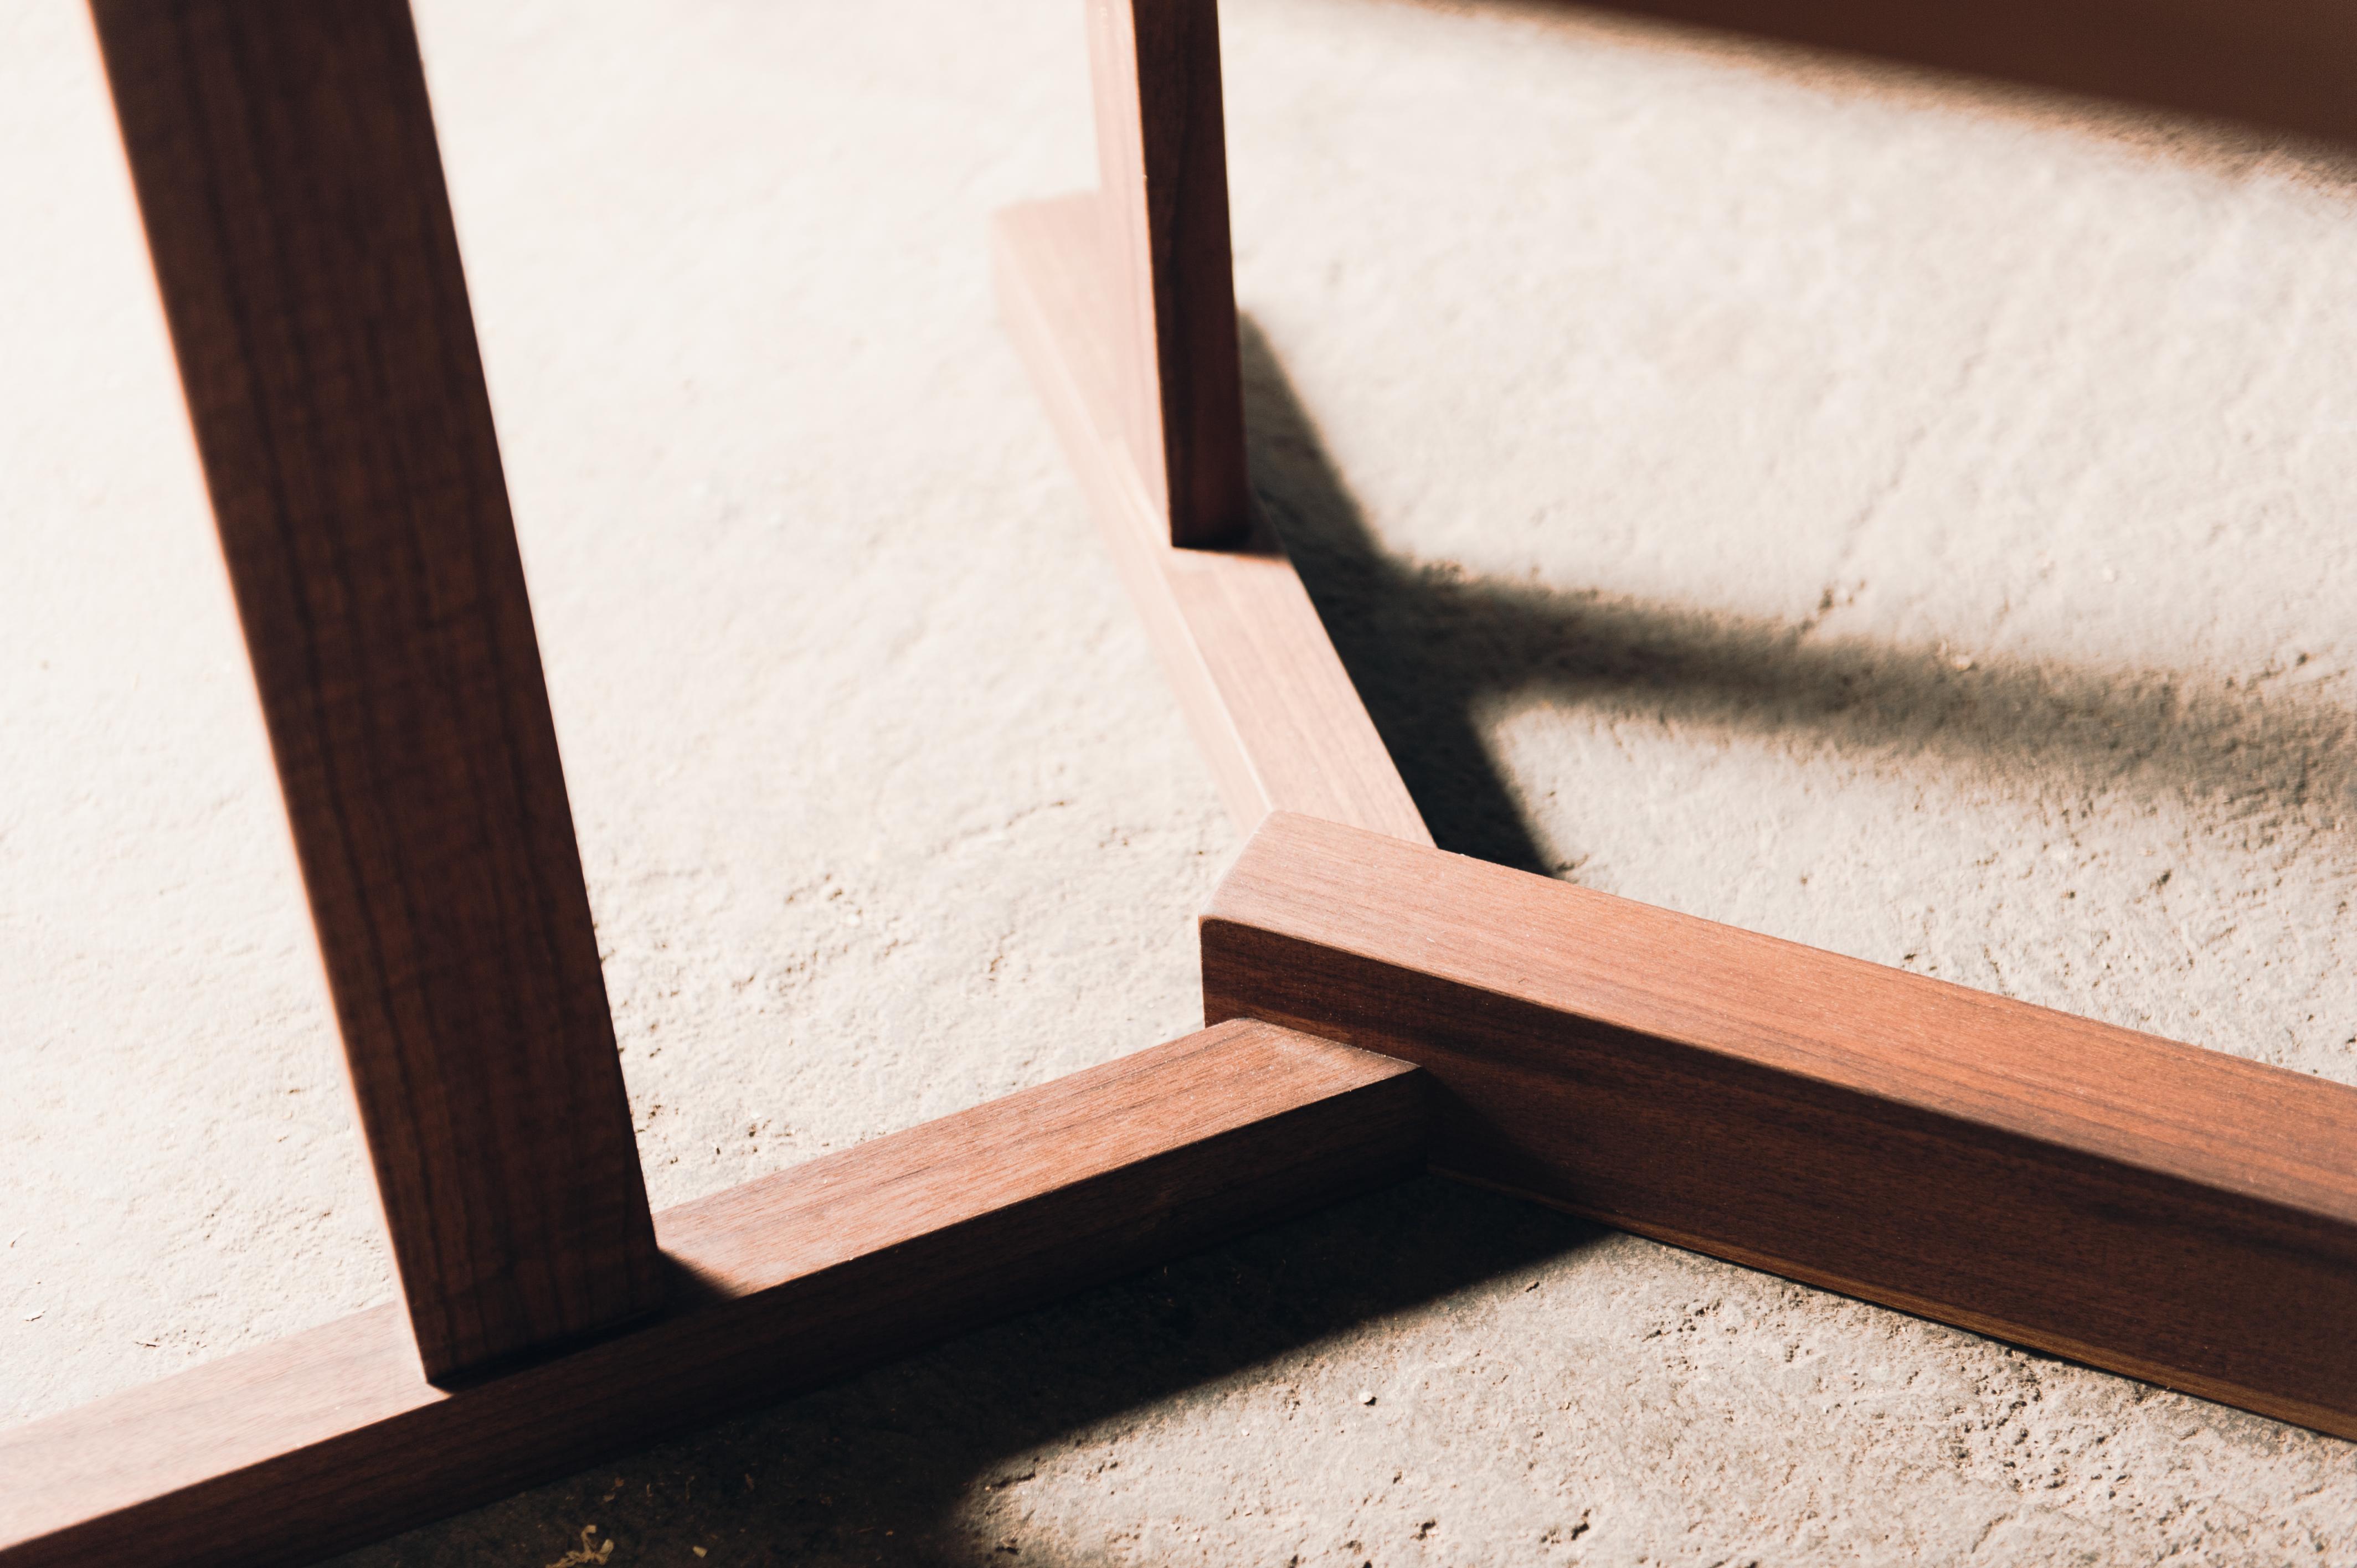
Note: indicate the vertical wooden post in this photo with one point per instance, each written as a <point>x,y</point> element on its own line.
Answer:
<point>1162,186</point>
<point>287,172</point>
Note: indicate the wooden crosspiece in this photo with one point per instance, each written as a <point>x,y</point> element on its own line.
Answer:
<point>1377,1007</point>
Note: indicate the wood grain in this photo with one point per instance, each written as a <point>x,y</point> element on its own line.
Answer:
<point>286,170</point>
<point>1269,702</point>
<point>2164,1212</point>
<point>1169,299</point>
<point>331,1438</point>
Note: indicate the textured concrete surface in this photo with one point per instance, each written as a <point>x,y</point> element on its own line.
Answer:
<point>1908,517</point>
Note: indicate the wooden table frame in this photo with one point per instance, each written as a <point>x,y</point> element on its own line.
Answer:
<point>1376,1006</point>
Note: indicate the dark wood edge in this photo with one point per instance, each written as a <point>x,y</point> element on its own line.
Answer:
<point>333,1437</point>
<point>2140,1205</point>
<point>1168,313</point>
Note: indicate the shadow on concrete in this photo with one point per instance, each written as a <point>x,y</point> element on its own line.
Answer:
<point>2278,65</point>
<point>1425,645</point>
<point>910,1463</point>
<point>928,1448</point>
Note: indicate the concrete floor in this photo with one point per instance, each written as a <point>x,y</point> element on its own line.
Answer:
<point>1911,518</point>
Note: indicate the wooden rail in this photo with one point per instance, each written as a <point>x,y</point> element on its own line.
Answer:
<point>1271,706</point>
<point>329,1438</point>
<point>2171,1213</point>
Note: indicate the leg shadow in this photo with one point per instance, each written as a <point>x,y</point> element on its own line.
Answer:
<point>1417,671</point>
<point>2265,757</point>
